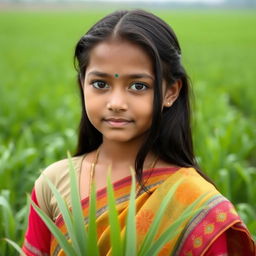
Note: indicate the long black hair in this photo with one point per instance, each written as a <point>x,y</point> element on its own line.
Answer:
<point>169,136</point>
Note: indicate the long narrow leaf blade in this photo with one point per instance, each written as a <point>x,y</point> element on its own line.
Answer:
<point>64,244</point>
<point>8,217</point>
<point>92,229</point>
<point>114,222</point>
<point>65,214</point>
<point>15,246</point>
<point>154,226</point>
<point>130,233</point>
<point>79,226</point>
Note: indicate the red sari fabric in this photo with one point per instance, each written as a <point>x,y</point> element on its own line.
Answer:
<point>218,247</point>
<point>38,237</point>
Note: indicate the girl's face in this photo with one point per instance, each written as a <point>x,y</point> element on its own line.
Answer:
<point>118,90</point>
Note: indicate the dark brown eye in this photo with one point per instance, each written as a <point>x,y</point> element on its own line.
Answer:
<point>138,87</point>
<point>100,85</point>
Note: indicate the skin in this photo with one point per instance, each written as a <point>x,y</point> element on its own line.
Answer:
<point>119,105</point>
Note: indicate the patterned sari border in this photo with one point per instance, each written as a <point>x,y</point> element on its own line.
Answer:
<point>211,203</point>
<point>29,249</point>
<point>218,234</point>
<point>127,181</point>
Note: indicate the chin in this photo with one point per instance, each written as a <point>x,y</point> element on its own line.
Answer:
<point>119,139</point>
<point>123,138</point>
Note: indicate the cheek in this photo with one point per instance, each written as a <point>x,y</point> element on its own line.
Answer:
<point>90,107</point>
<point>144,110</point>
<point>89,98</point>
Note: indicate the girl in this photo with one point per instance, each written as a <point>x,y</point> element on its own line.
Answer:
<point>136,112</point>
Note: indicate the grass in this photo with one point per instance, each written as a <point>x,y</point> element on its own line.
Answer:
<point>40,105</point>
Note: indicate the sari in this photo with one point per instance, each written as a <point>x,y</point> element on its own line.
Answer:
<point>216,226</point>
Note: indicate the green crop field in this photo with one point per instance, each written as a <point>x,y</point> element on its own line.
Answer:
<point>40,105</point>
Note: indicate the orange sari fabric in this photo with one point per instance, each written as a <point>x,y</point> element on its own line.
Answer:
<point>197,234</point>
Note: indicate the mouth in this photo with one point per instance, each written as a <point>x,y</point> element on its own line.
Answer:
<point>117,122</point>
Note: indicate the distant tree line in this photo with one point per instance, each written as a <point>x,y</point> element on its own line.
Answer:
<point>238,3</point>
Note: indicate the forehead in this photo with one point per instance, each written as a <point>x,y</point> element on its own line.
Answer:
<point>119,57</point>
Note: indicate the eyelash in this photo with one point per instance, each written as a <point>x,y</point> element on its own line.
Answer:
<point>95,81</point>
<point>145,86</point>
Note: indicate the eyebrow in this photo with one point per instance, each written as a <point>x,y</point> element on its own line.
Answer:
<point>106,75</point>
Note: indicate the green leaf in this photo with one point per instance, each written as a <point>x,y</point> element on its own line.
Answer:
<point>115,236</point>
<point>64,244</point>
<point>79,225</point>
<point>154,226</point>
<point>8,217</point>
<point>65,214</point>
<point>225,181</point>
<point>130,247</point>
<point>15,246</point>
<point>92,229</point>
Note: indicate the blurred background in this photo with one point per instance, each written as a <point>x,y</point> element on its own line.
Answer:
<point>40,105</point>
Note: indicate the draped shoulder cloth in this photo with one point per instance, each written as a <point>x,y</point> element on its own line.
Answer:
<point>216,219</point>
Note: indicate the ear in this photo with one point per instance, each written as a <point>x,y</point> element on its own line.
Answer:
<point>171,93</point>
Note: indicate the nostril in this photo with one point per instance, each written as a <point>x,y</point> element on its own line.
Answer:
<point>117,100</point>
<point>117,106</point>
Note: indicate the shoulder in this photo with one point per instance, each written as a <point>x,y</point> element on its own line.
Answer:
<point>194,185</point>
<point>190,186</point>
<point>186,174</point>
<point>215,215</point>
<point>214,206</point>
<point>58,174</point>
<point>191,181</point>
<point>58,169</point>
<point>194,179</point>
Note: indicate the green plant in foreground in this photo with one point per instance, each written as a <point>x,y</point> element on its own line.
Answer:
<point>13,224</point>
<point>84,241</point>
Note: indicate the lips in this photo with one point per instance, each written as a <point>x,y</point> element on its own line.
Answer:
<point>117,122</point>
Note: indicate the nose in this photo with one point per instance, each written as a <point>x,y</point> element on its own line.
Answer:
<point>117,101</point>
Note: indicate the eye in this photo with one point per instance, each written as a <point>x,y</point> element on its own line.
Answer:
<point>139,87</point>
<point>99,84</point>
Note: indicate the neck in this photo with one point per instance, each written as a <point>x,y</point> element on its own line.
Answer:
<point>116,154</point>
